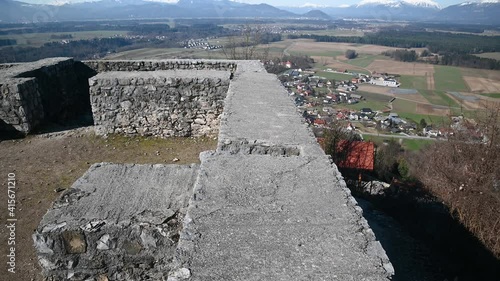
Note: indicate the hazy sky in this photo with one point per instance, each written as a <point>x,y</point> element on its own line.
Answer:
<point>333,3</point>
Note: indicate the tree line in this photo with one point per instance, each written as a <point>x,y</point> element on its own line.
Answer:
<point>7,42</point>
<point>81,49</point>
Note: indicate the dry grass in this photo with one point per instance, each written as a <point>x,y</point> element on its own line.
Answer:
<point>401,68</point>
<point>310,46</point>
<point>483,85</point>
<point>427,109</point>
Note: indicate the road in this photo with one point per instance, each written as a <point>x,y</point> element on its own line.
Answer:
<point>400,136</point>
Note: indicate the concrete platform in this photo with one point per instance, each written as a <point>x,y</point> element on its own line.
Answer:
<point>259,217</point>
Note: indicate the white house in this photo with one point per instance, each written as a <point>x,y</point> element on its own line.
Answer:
<point>385,82</point>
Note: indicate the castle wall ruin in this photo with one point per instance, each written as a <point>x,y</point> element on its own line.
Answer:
<point>50,90</point>
<point>267,204</point>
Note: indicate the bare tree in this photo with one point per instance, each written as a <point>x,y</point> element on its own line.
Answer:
<point>245,46</point>
<point>464,172</point>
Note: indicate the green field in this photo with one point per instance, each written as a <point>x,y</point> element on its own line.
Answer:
<point>332,54</point>
<point>335,76</point>
<point>415,117</point>
<point>363,60</point>
<point>375,97</point>
<point>447,99</point>
<point>374,105</point>
<point>448,78</point>
<point>438,98</point>
<point>404,106</point>
<point>38,39</point>
<point>408,144</point>
<point>496,96</point>
<point>414,145</point>
<point>413,82</point>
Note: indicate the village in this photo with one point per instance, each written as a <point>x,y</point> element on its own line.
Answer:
<point>325,101</point>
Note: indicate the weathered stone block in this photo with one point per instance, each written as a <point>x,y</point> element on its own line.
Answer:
<point>115,227</point>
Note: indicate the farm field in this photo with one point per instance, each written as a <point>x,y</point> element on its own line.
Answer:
<point>433,82</point>
<point>364,60</point>
<point>334,76</point>
<point>482,85</point>
<point>413,82</point>
<point>336,32</point>
<point>401,68</point>
<point>449,78</point>
<point>495,96</point>
<point>495,55</point>
<point>308,46</point>
<point>157,53</point>
<point>38,39</point>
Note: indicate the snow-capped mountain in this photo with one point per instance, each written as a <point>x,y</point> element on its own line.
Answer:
<point>395,9</point>
<point>484,12</point>
<point>397,4</point>
<point>379,9</point>
<point>14,11</point>
<point>481,12</point>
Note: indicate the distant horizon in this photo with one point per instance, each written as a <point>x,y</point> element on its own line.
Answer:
<point>277,3</point>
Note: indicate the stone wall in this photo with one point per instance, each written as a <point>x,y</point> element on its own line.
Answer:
<point>137,65</point>
<point>50,90</point>
<point>158,103</point>
<point>20,105</point>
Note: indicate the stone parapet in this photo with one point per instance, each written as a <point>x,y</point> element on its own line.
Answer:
<point>155,65</point>
<point>21,106</point>
<point>50,90</point>
<point>158,103</point>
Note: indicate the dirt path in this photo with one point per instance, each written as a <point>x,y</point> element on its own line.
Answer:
<point>45,165</point>
<point>285,51</point>
<point>430,81</point>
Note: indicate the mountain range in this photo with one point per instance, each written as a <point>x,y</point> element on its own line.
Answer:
<point>411,10</point>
